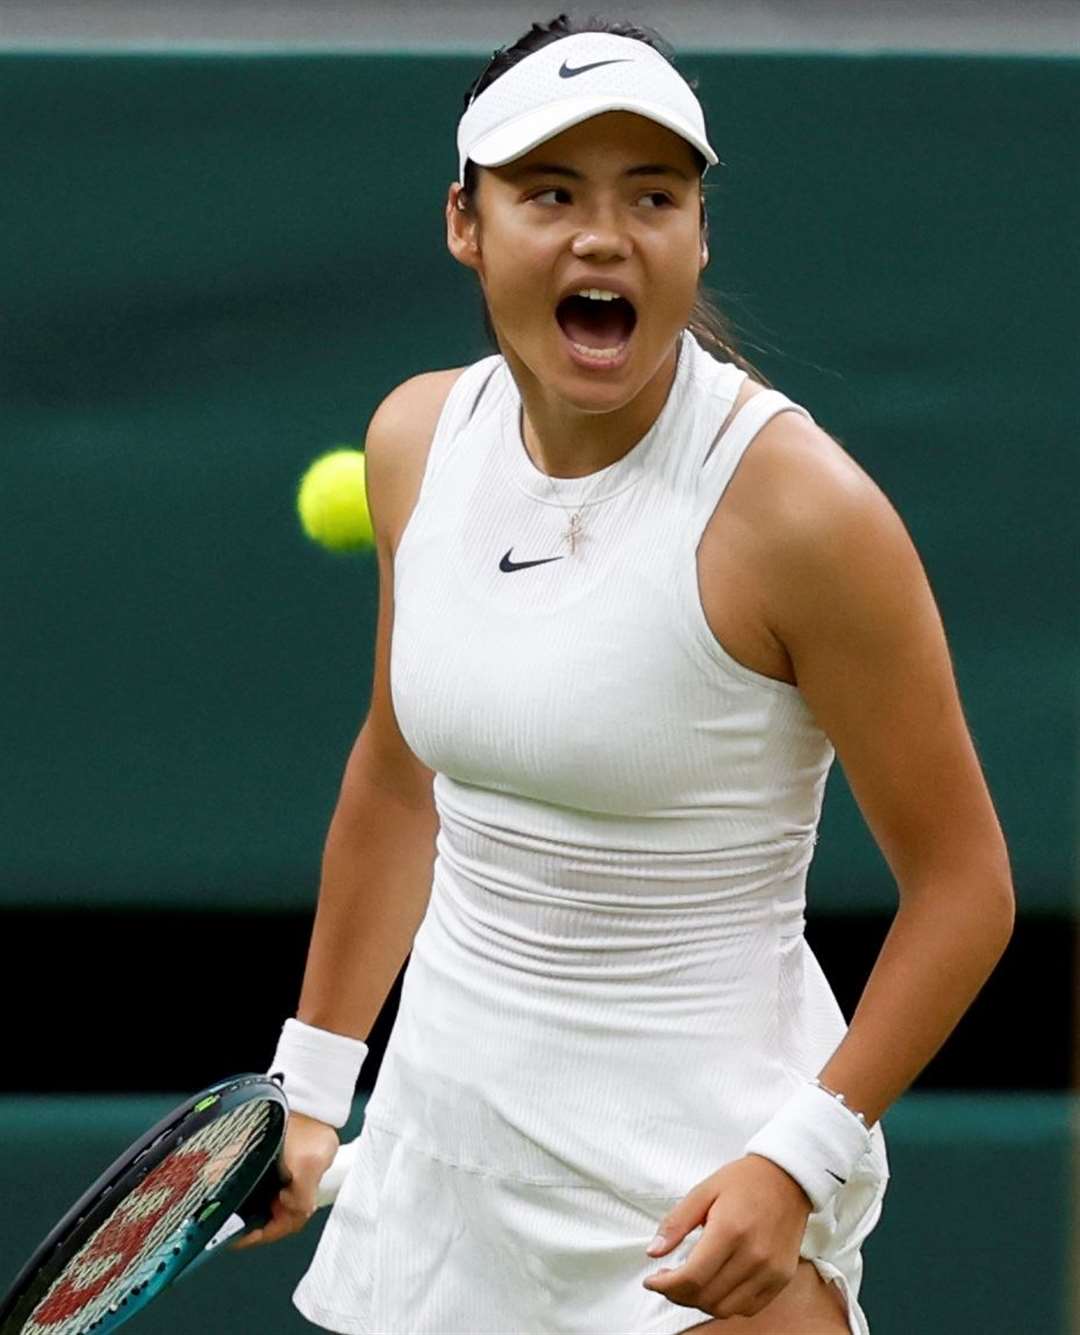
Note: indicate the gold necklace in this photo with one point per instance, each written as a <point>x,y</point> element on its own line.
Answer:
<point>575,529</point>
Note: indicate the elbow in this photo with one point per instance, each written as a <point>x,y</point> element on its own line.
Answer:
<point>996,907</point>
<point>988,900</point>
<point>1008,898</point>
<point>998,904</point>
<point>1001,894</point>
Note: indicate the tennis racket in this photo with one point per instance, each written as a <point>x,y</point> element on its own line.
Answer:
<point>207,1171</point>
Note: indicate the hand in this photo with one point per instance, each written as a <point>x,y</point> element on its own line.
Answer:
<point>755,1216</point>
<point>309,1150</point>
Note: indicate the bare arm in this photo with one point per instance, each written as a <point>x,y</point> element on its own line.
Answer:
<point>377,861</point>
<point>854,610</point>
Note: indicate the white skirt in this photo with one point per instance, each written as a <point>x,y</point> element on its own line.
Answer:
<point>417,1245</point>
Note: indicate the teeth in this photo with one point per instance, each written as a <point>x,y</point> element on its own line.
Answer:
<point>597,294</point>
<point>599,354</point>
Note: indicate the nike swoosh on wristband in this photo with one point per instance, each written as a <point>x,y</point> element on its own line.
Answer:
<point>565,72</point>
<point>508,565</point>
<point>836,1175</point>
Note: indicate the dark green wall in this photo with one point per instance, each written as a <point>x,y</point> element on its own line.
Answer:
<point>212,269</point>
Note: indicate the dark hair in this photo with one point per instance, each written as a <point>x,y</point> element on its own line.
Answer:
<point>709,325</point>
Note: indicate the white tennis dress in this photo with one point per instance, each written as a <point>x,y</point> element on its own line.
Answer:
<point>610,991</point>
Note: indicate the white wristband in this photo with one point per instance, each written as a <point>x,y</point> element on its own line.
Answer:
<point>319,1070</point>
<point>815,1138</point>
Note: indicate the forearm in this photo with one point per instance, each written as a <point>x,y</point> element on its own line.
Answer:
<point>374,891</point>
<point>943,945</point>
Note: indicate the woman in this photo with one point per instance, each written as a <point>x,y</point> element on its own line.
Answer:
<point>626,649</point>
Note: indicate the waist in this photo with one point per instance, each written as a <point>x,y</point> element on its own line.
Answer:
<point>599,899</point>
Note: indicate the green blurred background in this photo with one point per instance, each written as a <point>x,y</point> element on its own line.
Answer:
<point>214,266</point>
<point>214,269</point>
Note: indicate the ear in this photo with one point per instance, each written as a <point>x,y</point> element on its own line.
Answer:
<point>462,229</point>
<point>704,238</point>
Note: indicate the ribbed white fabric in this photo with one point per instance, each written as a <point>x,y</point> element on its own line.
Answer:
<point>610,992</point>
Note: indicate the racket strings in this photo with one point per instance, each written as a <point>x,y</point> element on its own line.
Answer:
<point>122,1254</point>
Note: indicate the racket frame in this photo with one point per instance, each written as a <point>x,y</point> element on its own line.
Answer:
<point>250,1191</point>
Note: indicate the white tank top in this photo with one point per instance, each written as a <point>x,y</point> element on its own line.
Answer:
<point>610,983</point>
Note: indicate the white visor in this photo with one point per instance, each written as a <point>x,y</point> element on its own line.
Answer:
<point>567,82</point>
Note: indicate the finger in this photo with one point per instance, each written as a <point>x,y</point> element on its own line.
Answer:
<point>746,1299</point>
<point>286,1217</point>
<point>249,1239</point>
<point>743,1286</point>
<point>690,1212</point>
<point>710,1255</point>
<point>736,1276</point>
<point>259,1237</point>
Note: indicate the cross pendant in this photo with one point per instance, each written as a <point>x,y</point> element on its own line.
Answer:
<point>574,531</point>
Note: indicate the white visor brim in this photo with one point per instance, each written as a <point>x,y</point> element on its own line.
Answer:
<point>509,141</point>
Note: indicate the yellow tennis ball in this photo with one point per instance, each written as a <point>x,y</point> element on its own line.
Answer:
<point>332,502</point>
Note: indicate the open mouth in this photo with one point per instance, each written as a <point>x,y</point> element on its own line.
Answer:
<point>598,327</point>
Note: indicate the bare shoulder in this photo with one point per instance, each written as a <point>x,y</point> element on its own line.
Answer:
<point>846,593</point>
<point>794,467</point>
<point>811,501</point>
<point>785,489</point>
<point>752,562</point>
<point>396,448</point>
<point>838,571</point>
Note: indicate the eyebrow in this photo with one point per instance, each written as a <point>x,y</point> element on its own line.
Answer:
<point>554,169</point>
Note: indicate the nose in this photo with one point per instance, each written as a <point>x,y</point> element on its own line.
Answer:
<point>603,238</point>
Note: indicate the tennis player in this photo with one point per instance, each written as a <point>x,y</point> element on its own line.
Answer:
<point>633,601</point>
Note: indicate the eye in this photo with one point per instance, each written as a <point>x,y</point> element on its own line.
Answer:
<point>551,190</point>
<point>659,195</point>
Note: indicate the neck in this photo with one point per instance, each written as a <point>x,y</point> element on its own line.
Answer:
<point>564,441</point>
